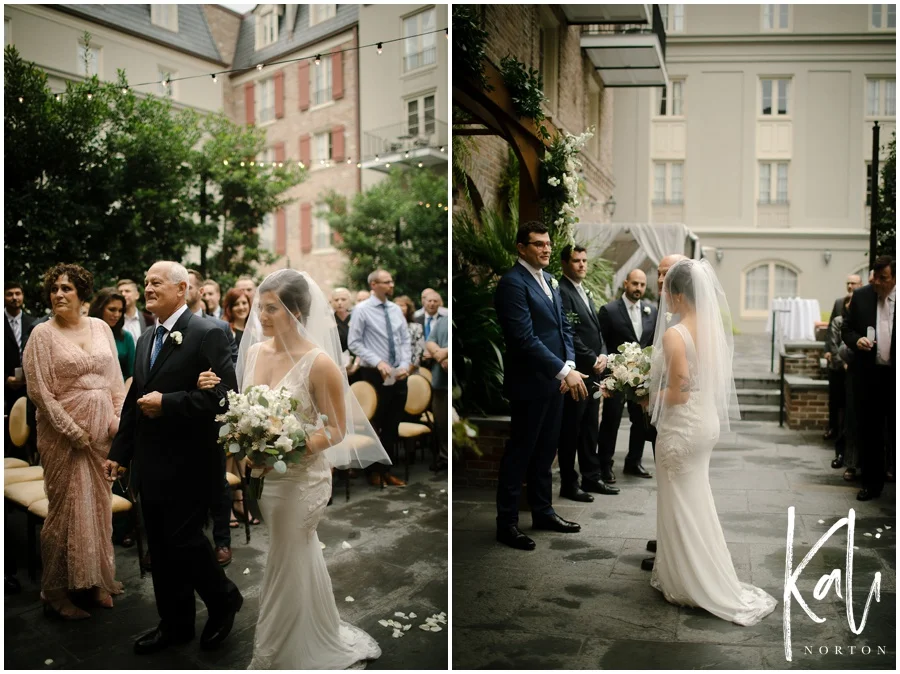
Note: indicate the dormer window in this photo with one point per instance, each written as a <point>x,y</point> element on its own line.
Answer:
<point>320,13</point>
<point>165,16</point>
<point>266,26</point>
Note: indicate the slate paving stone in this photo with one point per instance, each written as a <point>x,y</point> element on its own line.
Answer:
<point>581,601</point>
<point>396,562</point>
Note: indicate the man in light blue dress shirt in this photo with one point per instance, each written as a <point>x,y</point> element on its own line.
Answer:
<point>379,336</point>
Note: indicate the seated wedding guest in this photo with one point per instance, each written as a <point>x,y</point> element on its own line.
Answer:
<point>235,309</point>
<point>109,307</point>
<point>432,304</point>
<point>437,350</point>
<point>71,364</point>
<point>837,398</point>
<point>212,295</point>
<point>416,334</point>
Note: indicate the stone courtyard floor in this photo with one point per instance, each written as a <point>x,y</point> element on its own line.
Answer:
<point>581,601</point>
<point>397,562</point>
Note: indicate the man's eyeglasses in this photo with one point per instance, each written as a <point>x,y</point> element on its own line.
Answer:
<point>387,283</point>
<point>540,245</point>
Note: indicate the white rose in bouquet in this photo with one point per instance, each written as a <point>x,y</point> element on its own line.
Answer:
<point>629,372</point>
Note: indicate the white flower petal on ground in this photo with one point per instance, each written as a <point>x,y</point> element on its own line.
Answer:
<point>399,614</point>
<point>436,628</point>
<point>247,571</point>
<point>349,599</point>
<point>879,529</point>
<point>426,628</point>
<point>406,512</point>
<point>383,623</point>
<point>406,627</point>
<point>346,545</point>
<point>867,534</point>
<point>422,495</point>
<point>397,634</point>
<point>48,662</point>
<point>322,544</point>
<point>443,491</point>
<point>413,615</point>
<point>821,521</point>
<point>877,535</point>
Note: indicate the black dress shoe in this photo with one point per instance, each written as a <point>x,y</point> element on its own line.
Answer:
<point>555,523</point>
<point>647,564</point>
<point>651,546</point>
<point>838,462</point>
<point>514,538</point>
<point>575,493</point>
<point>158,640</point>
<point>608,476</point>
<point>867,495</point>
<point>599,487</point>
<point>636,470</point>
<point>218,627</point>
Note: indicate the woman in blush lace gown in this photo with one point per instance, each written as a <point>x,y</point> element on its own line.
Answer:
<point>72,369</point>
<point>692,399</point>
<point>291,341</point>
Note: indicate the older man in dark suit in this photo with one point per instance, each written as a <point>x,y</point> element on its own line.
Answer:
<point>868,331</point>
<point>539,368</point>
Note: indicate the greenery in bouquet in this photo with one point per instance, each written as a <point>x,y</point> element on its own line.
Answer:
<point>628,372</point>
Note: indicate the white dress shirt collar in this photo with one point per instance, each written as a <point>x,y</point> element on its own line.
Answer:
<point>534,271</point>
<point>12,319</point>
<point>173,319</point>
<point>629,304</point>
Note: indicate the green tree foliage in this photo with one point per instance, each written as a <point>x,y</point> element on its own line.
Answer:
<point>111,180</point>
<point>887,203</point>
<point>400,225</point>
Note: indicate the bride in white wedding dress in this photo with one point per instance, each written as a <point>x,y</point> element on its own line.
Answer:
<point>291,342</point>
<point>692,398</point>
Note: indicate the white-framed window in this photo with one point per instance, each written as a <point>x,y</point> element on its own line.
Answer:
<point>767,281</point>
<point>883,17</point>
<point>675,19</point>
<point>668,183</point>
<point>776,17</point>
<point>420,51</point>
<point>670,99</point>
<point>321,230</point>
<point>320,82</point>
<point>420,116</point>
<point>166,85</point>
<point>775,94</point>
<point>7,31</point>
<point>265,100</point>
<point>321,149</point>
<point>869,181</point>
<point>320,13</point>
<point>87,60</point>
<point>266,27</point>
<point>548,59</point>
<point>773,182</point>
<point>164,16</point>
<point>267,233</point>
<point>881,97</point>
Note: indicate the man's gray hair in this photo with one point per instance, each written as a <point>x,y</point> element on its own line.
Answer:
<point>340,290</point>
<point>374,275</point>
<point>177,271</point>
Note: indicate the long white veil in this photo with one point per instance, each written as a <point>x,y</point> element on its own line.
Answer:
<point>286,295</point>
<point>696,282</point>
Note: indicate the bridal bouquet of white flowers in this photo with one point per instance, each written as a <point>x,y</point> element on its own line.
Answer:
<point>629,372</point>
<point>264,424</point>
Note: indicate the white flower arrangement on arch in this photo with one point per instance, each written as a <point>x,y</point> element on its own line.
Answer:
<point>560,167</point>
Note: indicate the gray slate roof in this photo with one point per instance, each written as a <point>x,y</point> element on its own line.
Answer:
<point>288,41</point>
<point>193,34</point>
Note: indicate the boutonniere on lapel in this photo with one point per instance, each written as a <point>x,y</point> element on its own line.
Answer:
<point>554,283</point>
<point>572,317</point>
<point>176,337</point>
<point>647,310</point>
<point>587,291</point>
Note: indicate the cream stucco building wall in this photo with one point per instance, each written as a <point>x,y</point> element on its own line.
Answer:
<point>401,85</point>
<point>51,39</point>
<point>776,195</point>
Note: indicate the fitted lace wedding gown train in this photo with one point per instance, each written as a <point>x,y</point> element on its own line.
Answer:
<point>299,626</point>
<point>693,566</point>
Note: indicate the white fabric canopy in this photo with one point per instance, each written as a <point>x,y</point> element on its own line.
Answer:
<point>796,319</point>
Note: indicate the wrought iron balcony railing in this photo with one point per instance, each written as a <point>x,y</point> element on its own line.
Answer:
<point>404,137</point>
<point>658,28</point>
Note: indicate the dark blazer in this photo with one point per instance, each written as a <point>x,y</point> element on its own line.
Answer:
<point>538,336</point>
<point>176,456</point>
<point>863,313</point>
<point>12,357</point>
<point>615,324</point>
<point>223,325</point>
<point>586,335</point>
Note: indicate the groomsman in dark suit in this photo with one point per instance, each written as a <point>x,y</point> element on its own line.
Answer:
<point>539,370</point>
<point>874,371</point>
<point>581,418</point>
<point>627,319</point>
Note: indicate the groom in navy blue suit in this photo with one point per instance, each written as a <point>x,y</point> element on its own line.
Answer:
<point>539,371</point>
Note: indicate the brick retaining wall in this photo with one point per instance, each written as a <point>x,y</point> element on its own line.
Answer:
<point>809,366</point>
<point>805,403</point>
<point>481,471</point>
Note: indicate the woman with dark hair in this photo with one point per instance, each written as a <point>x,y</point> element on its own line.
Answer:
<point>109,307</point>
<point>416,330</point>
<point>235,309</point>
<point>74,380</point>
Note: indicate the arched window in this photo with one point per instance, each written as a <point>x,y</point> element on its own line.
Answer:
<point>764,282</point>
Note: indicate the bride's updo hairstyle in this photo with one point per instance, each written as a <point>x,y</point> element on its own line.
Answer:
<point>293,291</point>
<point>680,282</point>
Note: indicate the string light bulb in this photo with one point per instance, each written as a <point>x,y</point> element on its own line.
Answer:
<point>421,164</point>
<point>215,78</point>
<point>318,59</point>
<point>447,33</point>
<point>125,89</point>
<point>21,100</point>
<point>376,157</point>
<point>225,161</point>
<point>242,164</point>
<point>442,148</point>
<point>427,205</point>
<point>262,164</point>
<point>380,48</point>
<point>90,96</point>
<point>358,165</point>
<point>58,98</point>
<point>280,164</point>
<point>406,156</point>
<point>388,165</point>
<point>348,160</point>
<point>260,66</point>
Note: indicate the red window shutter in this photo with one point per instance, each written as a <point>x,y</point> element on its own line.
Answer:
<point>336,237</point>
<point>305,228</point>
<point>279,152</point>
<point>250,101</point>
<point>279,94</point>
<point>304,149</point>
<point>337,143</point>
<point>280,232</point>
<point>337,75</point>
<point>303,82</point>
